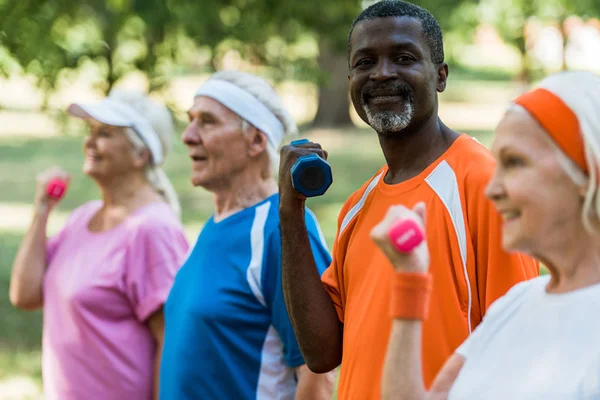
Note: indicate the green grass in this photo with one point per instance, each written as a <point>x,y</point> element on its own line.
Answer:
<point>354,154</point>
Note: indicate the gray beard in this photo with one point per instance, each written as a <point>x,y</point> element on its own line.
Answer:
<point>389,121</point>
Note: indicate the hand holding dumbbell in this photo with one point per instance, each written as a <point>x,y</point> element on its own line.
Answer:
<point>56,188</point>
<point>406,235</point>
<point>401,237</point>
<point>51,187</point>
<point>311,174</point>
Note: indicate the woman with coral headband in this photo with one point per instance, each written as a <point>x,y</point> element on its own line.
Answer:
<point>539,341</point>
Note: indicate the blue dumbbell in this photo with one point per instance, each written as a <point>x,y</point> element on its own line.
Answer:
<point>311,175</point>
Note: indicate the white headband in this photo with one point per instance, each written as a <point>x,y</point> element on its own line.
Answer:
<point>115,113</point>
<point>246,106</point>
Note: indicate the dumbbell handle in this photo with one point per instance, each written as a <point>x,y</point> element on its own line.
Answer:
<point>406,235</point>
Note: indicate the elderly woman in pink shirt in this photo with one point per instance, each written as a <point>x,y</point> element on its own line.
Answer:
<point>103,279</point>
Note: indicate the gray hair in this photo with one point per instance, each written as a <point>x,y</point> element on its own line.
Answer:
<point>259,88</point>
<point>162,123</point>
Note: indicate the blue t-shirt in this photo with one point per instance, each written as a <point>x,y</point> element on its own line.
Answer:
<point>228,334</point>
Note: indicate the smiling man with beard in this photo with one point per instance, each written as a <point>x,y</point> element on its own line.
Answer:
<point>396,61</point>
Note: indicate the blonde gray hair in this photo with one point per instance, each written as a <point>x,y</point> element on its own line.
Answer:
<point>259,88</point>
<point>162,123</point>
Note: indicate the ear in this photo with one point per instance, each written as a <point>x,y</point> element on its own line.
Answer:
<point>141,158</point>
<point>257,142</point>
<point>442,77</point>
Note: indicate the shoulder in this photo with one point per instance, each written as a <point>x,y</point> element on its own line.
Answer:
<point>468,169</point>
<point>156,220</point>
<point>471,161</point>
<point>76,222</point>
<point>515,297</point>
<point>83,214</point>
<point>500,313</point>
<point>356,200</point>
<point>87,209</point>
<point>269,212</point>
<point>271,228</point>
<point>154,236</point>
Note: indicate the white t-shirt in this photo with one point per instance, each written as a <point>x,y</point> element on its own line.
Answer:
<point>534,345</point>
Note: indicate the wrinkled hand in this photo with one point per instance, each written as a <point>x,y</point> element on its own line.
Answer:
<point>415,261</point>
<point>43,203</point>
<point>289,155</point>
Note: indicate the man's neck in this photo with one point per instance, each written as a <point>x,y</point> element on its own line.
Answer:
<point>410,152</point>
<point>241,194</point>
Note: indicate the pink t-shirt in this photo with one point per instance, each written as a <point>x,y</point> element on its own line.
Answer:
<point>99,289</point>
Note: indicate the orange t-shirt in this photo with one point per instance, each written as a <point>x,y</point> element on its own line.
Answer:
<point>469,267</point>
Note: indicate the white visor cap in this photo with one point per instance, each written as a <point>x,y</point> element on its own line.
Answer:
<point>115,113</point>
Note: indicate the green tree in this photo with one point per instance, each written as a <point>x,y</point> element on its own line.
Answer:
<point>279,34</point>
<point>330,23</point>
<point>557,11</point>
<point>302,40</point>
<point>47,38</point>
<point>510,17</point>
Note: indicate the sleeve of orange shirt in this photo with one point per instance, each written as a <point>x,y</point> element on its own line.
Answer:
<point>497,270</point>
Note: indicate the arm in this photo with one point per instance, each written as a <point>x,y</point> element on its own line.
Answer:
<point>29,265</point>
<point>156,323</point>
<point>313,386</point>
<point>30,262</point>
<point>402,372</point>
<point>312,313</point>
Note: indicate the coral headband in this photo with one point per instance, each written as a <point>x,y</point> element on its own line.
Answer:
<point>558,120</point>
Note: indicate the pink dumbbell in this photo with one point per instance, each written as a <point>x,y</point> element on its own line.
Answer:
<point>56,188</point>
<point>406,235</point>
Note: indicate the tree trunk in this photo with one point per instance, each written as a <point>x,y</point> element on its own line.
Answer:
<point>109,49</point>
<point>565,40</point>
<point>111,79</point>
<point>525,73</point>
<point>334,103</point>
<point>47,92</point>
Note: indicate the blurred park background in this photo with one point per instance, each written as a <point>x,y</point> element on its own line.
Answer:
<point>54,52</point>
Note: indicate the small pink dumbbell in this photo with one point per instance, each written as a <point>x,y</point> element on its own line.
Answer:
<point>56,188</point>
<point>406,235</point>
